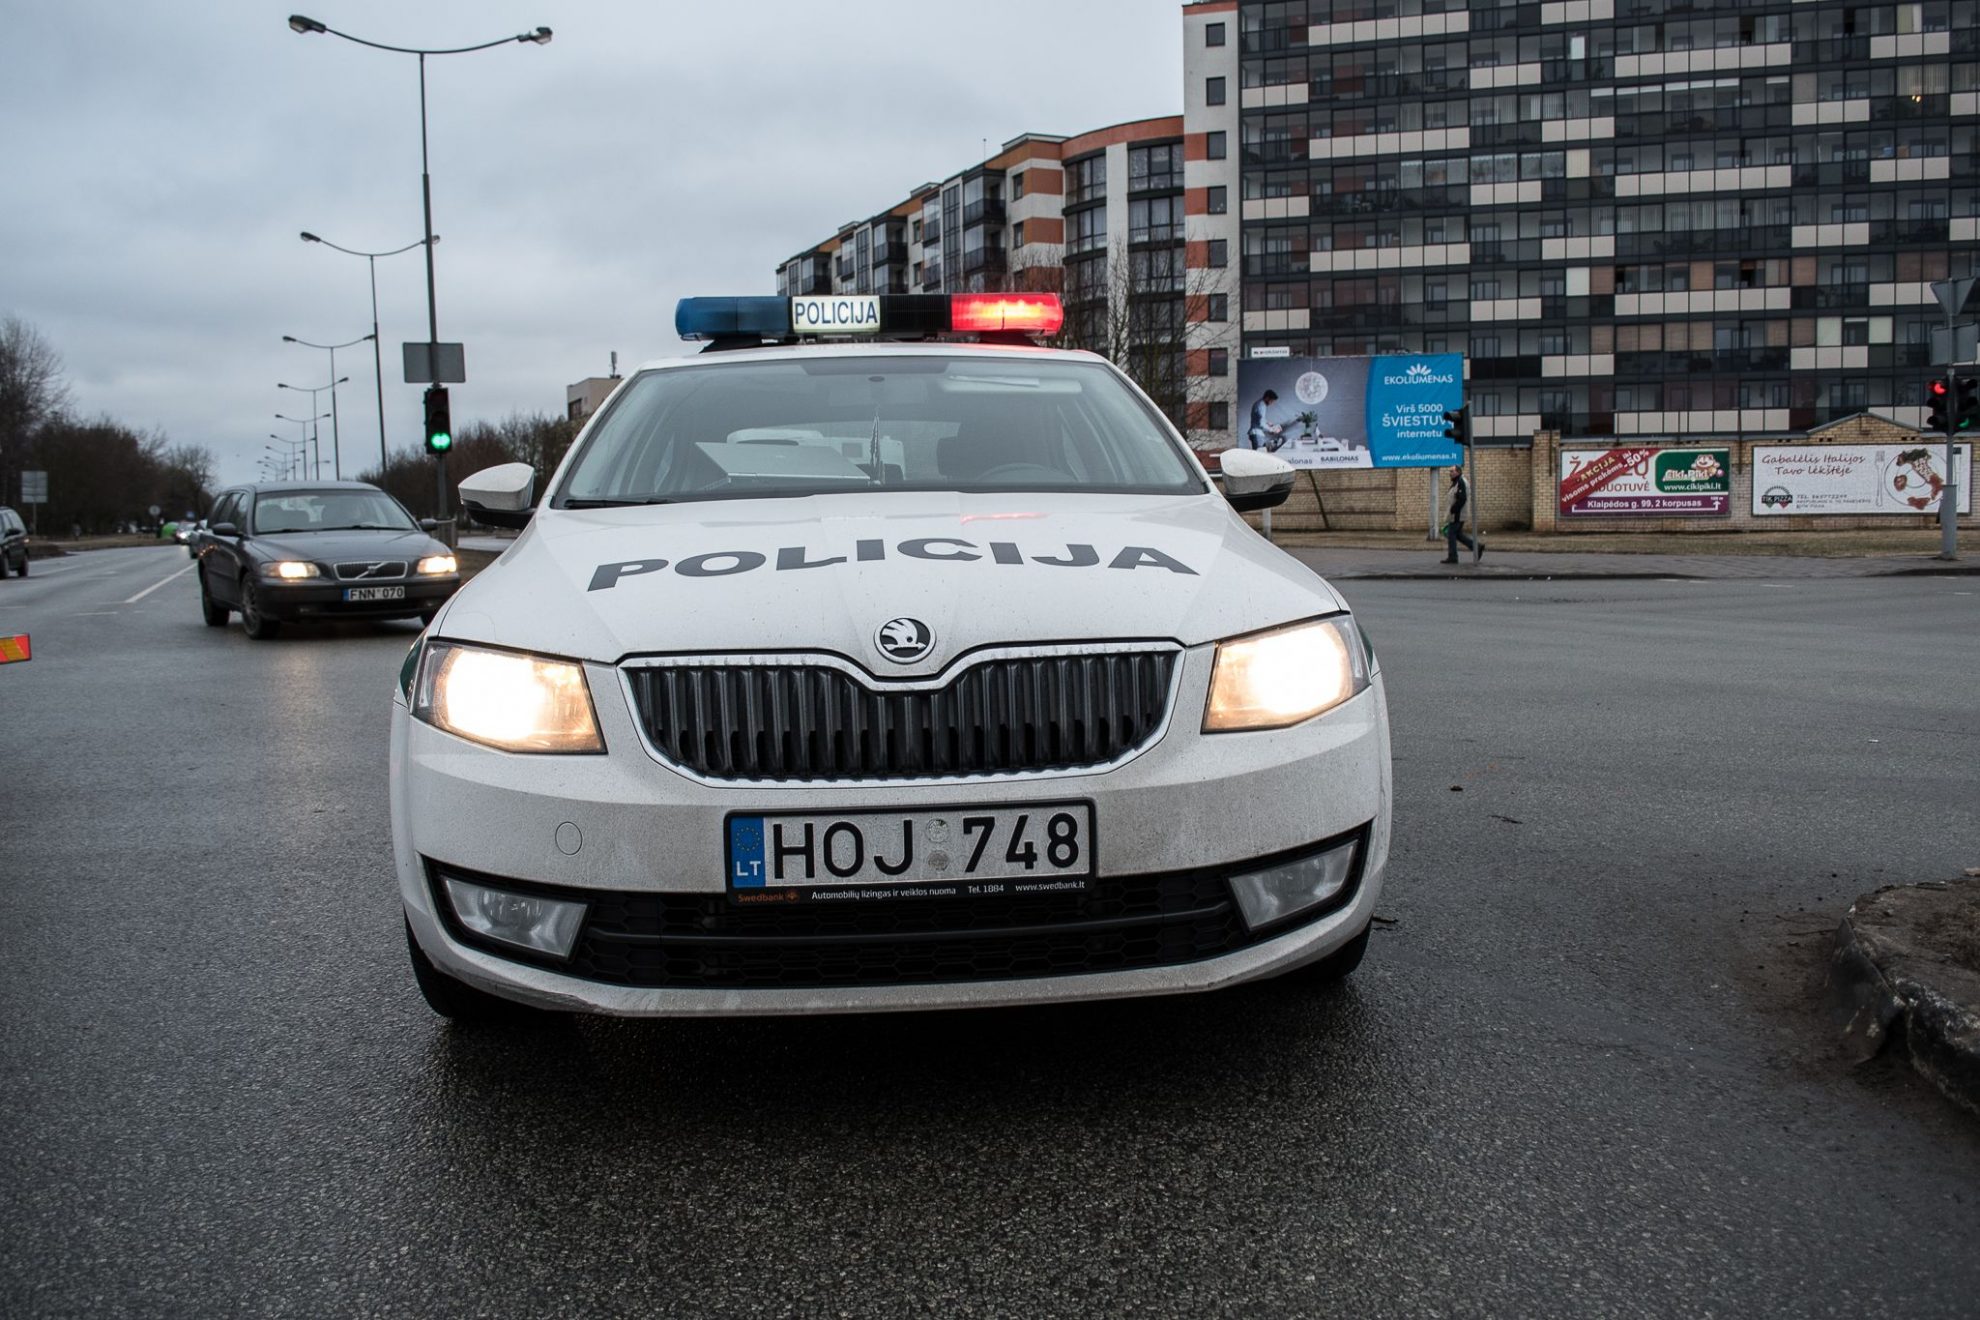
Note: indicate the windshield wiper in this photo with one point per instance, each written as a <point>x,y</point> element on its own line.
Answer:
<point>617,504</point>
<point>360,527</point>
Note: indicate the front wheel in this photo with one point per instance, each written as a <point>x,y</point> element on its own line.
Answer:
<point>258,625</point>
<point>211,610</point>
<point>1336,966</point>
<point>459,1002</point>
<point>22,571</point>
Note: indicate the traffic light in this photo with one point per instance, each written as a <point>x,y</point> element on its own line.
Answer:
<point>1936,394</point>
<point>1457,428</point>
<point>1966,404</point>
<point>439,425</point>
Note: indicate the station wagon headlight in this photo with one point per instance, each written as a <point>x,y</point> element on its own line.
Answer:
<point>1274,679</point>
<point>434,565</point>
<point>291,570</point>
<point>519,703</point>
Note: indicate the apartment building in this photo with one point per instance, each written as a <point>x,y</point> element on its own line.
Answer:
<point>1116,220</point>
<point>1634,217</point>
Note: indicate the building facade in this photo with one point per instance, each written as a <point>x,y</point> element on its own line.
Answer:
<point>1633,218</point>
<point>1115,220</point>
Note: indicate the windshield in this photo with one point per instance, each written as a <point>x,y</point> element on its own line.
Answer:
<point>330,511</point>
<point>839,424</point>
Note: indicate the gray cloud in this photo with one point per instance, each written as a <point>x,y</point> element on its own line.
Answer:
<point>162,159</point>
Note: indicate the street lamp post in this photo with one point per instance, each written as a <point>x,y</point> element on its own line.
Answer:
<point>540,37</point>
<point>310,431</point>
<point>291,457</point>
<point>336,440</point>
<point>377,357</point>
<point>332,415</point>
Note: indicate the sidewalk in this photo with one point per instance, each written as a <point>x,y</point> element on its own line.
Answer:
<point>1520,565</point>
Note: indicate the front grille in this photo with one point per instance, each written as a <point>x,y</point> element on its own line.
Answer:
<point>371,570</point>
<point>812,721</point>
<point>702,941</point>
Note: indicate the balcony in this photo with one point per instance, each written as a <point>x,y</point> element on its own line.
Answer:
<point>931,233</point>
<point>988,211</point>
<point>884,253</point>
<point>983,260</point>
<point>819,281</point>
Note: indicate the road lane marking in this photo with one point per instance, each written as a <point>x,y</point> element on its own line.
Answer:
<point>156,585</point>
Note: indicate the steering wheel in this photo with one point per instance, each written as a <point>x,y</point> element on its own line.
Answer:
<point>1022,472</point>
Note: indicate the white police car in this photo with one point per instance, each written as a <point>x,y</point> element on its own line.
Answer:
<point>883,674</point>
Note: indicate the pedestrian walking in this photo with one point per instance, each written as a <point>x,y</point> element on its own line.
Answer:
<point>1454,525</point>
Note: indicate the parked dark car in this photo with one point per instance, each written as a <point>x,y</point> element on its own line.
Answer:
<point>310,550</point>
<point>13,544</point>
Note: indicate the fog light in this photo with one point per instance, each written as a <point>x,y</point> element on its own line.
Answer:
<point>1278,892</point>
<point>547,925</point>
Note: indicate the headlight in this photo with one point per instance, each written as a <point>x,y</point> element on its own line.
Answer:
<point>290,569</point>
<point>519,703</point>
<point>437,564</point>
<point>1270,680</point>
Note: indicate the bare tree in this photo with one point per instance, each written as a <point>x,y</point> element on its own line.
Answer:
<point>1143,310</point>
<point>187,475</point>
<point>533,438</point>
<point>31,392</point>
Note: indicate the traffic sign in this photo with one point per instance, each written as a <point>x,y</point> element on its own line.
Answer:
<point>154,510</point>
<point>34,487</point>
<point>445,365</point>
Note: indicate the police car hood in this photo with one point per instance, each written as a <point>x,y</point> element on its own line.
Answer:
<point>825,573</point>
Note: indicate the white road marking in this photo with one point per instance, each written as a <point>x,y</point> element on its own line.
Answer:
<point>156,585</point>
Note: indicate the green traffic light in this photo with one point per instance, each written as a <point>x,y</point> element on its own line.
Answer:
<point>440,443</point>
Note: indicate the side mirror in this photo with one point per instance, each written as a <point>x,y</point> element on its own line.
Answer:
<point>224,529</point>
<point>429,524</point>
<point>501,496</point>
<point>1255,481</point>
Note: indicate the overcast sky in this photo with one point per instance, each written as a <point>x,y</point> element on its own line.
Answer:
<point>161,160</point>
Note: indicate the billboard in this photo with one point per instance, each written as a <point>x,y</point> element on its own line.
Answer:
<point>1645,481</point>
<point>1351,412</point>
<point>1855,479</point>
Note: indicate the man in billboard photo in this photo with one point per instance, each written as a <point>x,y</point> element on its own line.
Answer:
<point>1454,525</point>
<point>1263,433</point>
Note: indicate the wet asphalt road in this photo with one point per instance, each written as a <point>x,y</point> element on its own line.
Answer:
<point>1578,1073</point>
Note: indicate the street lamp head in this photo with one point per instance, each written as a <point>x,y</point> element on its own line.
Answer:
<point>541,36</point>
<point>344,380</point>
<point>305,25</point>
<point>288,339</point>
<point>308,237</point>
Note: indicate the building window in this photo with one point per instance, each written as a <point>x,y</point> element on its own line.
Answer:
<point>1217,200</point>
<point>1219,308</point>
<point>1220,410</point>
<point>1213,91</point>
<point>1017,185</point>
<point>1213,35</point>
<point>1220,361</point>
<point>1155,219</point>
<point>1220,253</point>
<point>1086,179</point>
<point>1159,166</point>
<point>1216,145</point>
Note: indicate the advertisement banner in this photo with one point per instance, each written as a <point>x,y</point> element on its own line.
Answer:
<point>1856,479</point>
<point>1646,481</point>
<point>1351,412</point>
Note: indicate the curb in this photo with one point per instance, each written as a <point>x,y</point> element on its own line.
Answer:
<point>1885,988</point>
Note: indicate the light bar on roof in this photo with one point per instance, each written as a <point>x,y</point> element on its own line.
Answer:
<point>910,315</point>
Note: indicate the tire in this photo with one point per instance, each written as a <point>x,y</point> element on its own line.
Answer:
<point>461,1003</point>
<point>258,625</point>
<point>212,611</point>
<point>3,566</point>
<point>1336,966</point>
<point>22,571</point>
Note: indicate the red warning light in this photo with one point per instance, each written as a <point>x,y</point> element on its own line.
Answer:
<point>1006,313</point>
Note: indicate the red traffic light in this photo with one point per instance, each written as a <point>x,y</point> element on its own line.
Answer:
<point>1939,390</point>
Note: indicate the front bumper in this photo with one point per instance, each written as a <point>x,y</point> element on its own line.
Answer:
<point>1189,804</point>
<point>311,599</point>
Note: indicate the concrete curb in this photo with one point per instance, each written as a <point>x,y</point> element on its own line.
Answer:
<point>1890,978</point>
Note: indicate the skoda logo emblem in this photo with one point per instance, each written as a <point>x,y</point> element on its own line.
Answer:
<point>904,641</point>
